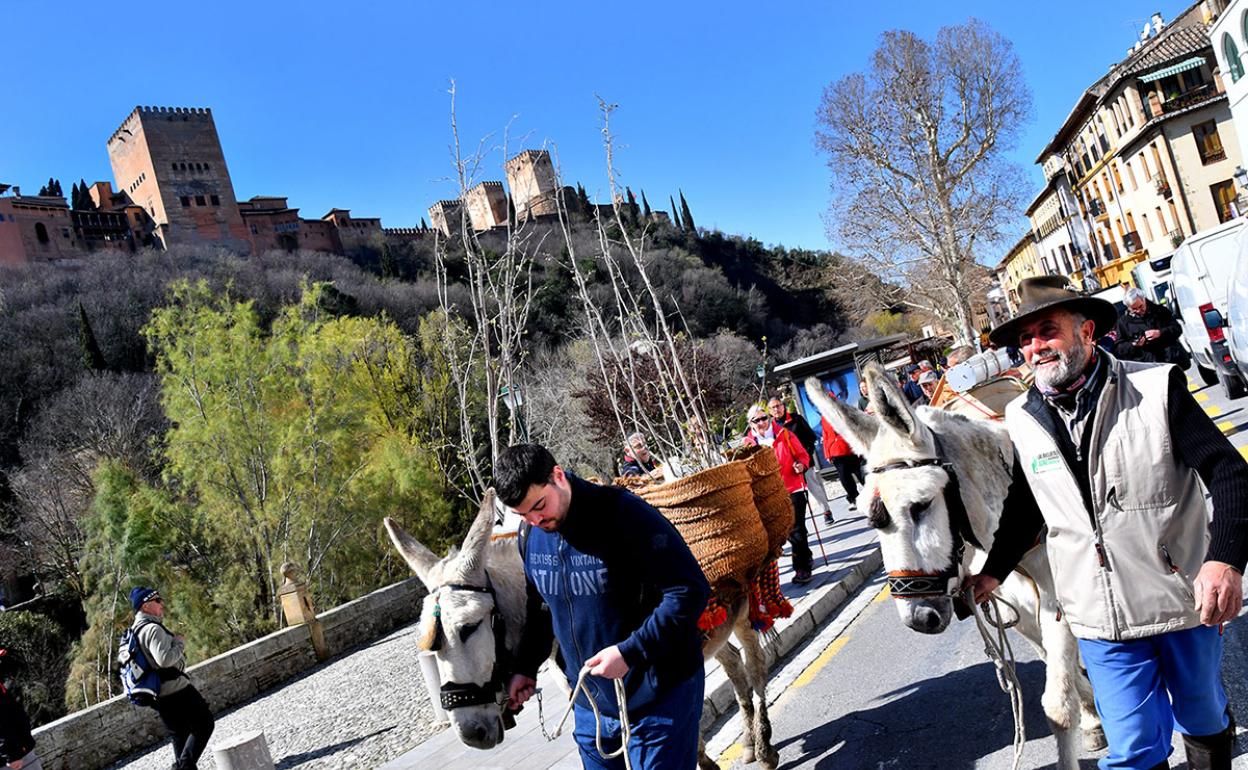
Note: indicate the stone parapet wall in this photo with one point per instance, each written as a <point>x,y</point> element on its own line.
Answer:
<point>98,736</point>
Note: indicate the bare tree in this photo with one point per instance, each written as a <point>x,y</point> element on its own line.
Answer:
<point>485,343</point>
<point>916,148</point>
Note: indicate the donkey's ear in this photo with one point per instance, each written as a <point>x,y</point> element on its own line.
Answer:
<point>472,556</point>
<point>855,426</point>
<point>417,556</point>
<point>891,405</point>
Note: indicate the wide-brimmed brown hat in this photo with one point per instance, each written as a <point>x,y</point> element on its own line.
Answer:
<point>1045,292</point>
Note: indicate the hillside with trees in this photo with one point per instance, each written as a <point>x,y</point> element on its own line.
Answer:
<point>194,418</point>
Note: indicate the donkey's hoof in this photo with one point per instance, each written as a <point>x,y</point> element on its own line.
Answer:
<point>1094,739</point>
<point>747,755</point>
<point>769,759</point>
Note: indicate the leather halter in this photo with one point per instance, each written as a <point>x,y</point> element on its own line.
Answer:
<point>454,695</point>
<point>917,584</point>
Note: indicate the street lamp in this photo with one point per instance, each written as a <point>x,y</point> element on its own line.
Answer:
<point>514,399</point>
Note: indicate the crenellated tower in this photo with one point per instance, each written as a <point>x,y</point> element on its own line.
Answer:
<point>169,161</point>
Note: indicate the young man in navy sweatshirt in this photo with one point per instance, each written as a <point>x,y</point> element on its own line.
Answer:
<point>611,579</point>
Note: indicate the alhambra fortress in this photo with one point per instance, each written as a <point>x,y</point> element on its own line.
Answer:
<point>173,187</point>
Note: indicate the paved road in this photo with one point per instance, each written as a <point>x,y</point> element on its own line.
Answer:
<point>873,694</point>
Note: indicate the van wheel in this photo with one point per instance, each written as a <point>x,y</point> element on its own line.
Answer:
<point>1209,376</point>
<point>1232,385</point>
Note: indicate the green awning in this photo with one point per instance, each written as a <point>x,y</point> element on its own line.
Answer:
<point>1174,69</point>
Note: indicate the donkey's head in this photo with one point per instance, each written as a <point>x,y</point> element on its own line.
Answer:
<point>905,485</point>
<point>461,624</point>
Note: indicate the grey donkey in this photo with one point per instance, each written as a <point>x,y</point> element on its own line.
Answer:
<point>459,612</point>
<point>908,486</point>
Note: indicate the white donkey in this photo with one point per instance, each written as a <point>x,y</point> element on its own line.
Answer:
<point>473,617</point>
<point>937,482</point>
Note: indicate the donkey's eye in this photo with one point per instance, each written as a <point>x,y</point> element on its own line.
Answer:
<point>918,509</point>
<point>466,632</point>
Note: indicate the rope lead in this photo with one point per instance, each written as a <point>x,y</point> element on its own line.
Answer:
<point>626,728</point>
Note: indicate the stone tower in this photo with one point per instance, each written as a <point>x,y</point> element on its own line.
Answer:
<point>531,179</point>
<point>168,160</point>
<point>487,205</point>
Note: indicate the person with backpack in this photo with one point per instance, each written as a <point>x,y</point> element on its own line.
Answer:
<point>182,709</point>
<point>17,745</point>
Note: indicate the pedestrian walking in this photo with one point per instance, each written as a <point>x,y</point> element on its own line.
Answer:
<point>848,465</point>
<point>182,709</point>
<point>1149,332</point>
<point>793,461</point>
<point>17,745</point>
<point>910,385</point>
<point>1111,455</point>
<point>794,422</point>
<point>612,580</point>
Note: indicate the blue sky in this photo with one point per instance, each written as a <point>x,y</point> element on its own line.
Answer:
<point>345,104</point>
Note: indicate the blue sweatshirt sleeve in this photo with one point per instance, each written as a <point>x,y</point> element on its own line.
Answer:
<point>671,568</point>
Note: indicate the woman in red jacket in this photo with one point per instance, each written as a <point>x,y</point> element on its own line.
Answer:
<point>848,465</point>
<point>794,461</point>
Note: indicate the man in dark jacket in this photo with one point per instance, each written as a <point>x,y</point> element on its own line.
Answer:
<point>638,461</point>
<point>17,746</point>
<point>1147,332</point>
<point>801,429</point>
<point>613,581</point>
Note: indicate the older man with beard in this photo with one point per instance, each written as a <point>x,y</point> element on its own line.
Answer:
<point>1110,455</point>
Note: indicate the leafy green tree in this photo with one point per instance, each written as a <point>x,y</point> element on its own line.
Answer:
<point>92,357</point>
<point>686,215</point>
<point>289,441</point>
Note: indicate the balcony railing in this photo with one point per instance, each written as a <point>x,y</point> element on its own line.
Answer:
<point>1096,208</point>
<point>1188,98</point>
<point>1162,186</point>
<point>1109,252</point>
<point>1131,242</point>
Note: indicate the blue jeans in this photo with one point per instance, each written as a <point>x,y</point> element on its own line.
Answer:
<point>1145,687</point>
<point>664,738</point>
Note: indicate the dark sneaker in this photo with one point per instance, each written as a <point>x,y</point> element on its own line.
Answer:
<point>827,518</point>
<point>853,508</point>
<point>801,576</point>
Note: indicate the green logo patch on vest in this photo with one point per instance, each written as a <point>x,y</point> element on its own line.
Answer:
<point>1046,461</point>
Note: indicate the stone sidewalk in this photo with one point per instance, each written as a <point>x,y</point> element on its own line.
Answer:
<point>852,554</point>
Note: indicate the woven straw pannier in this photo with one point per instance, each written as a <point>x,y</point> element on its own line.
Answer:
<point>714,512</point>
<point>772,499</point>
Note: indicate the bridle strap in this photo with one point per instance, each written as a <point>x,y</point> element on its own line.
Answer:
<point>453,695</point>
<point>911,584</point>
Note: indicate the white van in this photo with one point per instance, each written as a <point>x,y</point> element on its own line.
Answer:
<point>1153,278</point>
<point>1237,311</point>
<point>1201,272</point>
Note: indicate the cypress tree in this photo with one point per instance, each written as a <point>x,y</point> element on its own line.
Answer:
<point>423,224</point>
<point>84,196</point>
<point>389,267</point>
<point>75,197</point>
<point>645,206</point>
<point>92,357</point>
<point>675,215</point>
<point>632,205</point>
<point>687,215</point>
<point>582,198</point>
